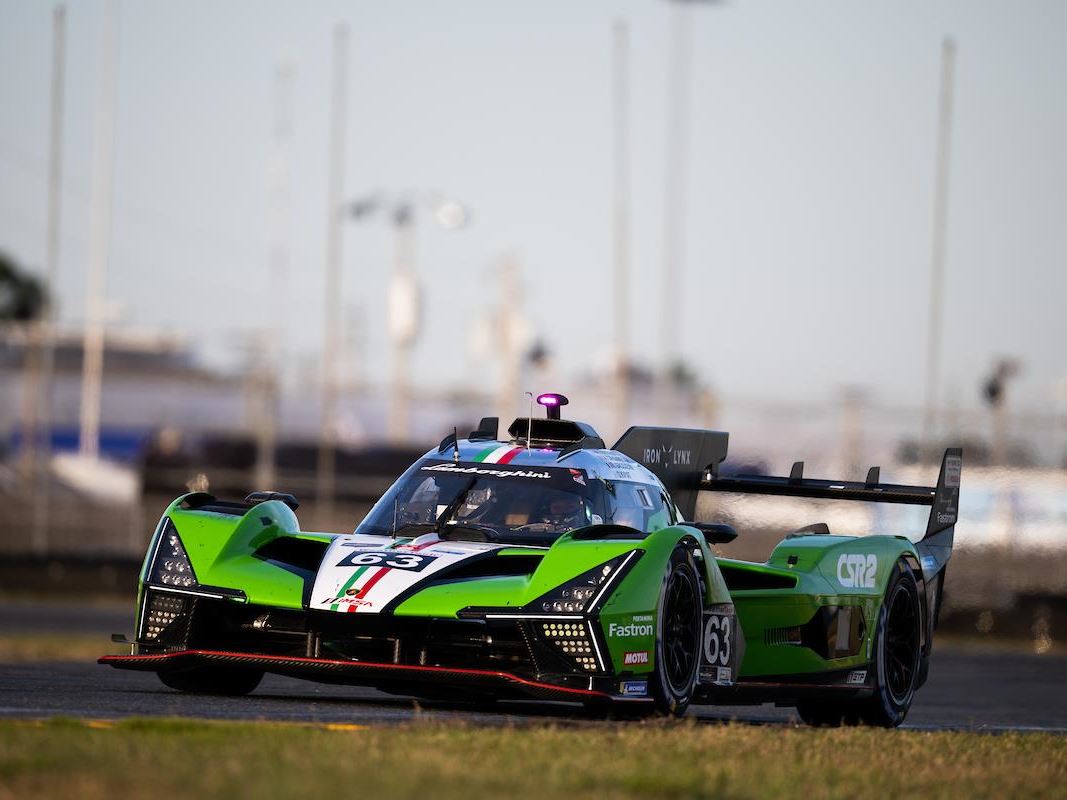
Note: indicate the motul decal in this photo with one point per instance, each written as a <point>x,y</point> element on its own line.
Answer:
<point>639,657</point>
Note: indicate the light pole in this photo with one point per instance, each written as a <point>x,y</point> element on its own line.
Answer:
<point>268,376</point>
<point>621,217</point>
<point>43,430</point>
<point>326,478</point>
<point>937,256</point>
<point>99,235</point>
<point>675,188</point>
<point>404,303</point>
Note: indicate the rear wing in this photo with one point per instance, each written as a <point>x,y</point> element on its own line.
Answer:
<point>935,547</point>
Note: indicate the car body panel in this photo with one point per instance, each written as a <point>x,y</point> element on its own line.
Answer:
<point>805,617</point>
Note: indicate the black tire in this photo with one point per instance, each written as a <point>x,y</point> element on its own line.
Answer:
<point>679,630</point>
<point>897,663</point>
<point>213,680</point>
<point>897,652</point>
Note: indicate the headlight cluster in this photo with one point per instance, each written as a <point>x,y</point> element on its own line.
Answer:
<point>161,612</point>
<point>572,639</point>
<point>172,567</point>
<point>574,596</point>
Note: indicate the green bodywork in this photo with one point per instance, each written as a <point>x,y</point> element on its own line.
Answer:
<point>221,549</point>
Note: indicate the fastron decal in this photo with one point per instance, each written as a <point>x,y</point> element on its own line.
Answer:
<point>628,631</point>
<point>857,571</point>
<point>638,657</point>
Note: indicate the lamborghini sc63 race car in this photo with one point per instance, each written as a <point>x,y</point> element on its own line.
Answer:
<point>545,565</point>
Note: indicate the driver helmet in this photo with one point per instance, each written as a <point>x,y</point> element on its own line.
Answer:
<point>476,504</point>
<point>565,511</point>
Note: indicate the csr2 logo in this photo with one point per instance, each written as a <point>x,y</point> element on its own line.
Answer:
<point>857,571</point>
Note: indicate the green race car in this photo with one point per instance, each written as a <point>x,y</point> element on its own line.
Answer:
<point>549,566</point>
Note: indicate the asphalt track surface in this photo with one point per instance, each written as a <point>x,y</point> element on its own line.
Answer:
<point>968,689</point>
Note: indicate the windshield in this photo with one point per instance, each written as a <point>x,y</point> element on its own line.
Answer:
<point>523,504</point>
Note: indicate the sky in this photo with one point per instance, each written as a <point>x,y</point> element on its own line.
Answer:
<point>810,181</point>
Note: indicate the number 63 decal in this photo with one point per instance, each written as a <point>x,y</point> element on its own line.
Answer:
<point>408,561</point>
<point>718,639</point>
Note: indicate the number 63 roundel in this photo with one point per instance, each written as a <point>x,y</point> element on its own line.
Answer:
<point>721,646</point>
<point>390,559</point>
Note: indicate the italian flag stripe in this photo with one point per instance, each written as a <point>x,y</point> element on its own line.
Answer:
<point>356,575</point>
<point>498,454</point>
<point>377,576</point>
<point>506,458</point>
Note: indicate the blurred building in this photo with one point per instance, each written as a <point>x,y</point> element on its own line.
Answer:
<point>151,380</point>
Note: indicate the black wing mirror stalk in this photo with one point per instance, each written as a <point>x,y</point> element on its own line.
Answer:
<point>715,532</point>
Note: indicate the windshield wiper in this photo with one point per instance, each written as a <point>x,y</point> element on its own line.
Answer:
<point>453,507</point>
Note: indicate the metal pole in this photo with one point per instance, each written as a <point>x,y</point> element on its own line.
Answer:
<point>267,409</point>
<point>507,339</point>
<point>852,402</point>
<point>1060,420</point>
<point>403,323</point>
<point>332,297</point>
<point>42,482</point>
<point>937,256</point>
<point>99,235</point>
<point>674,205</point>
<point>621,219</point>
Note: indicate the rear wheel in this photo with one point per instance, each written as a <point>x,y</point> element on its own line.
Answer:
<point>678,640</point>
<point>896,663</point>
<point>897,652</point>
<point>213,680</point>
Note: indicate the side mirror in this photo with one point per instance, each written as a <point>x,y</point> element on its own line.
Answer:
<point>715,532</point>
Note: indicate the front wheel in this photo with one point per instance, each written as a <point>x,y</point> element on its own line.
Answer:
<point>213,680</point>
<point>678,639</point>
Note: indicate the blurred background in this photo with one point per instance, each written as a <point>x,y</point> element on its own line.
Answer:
<point>265,245</point>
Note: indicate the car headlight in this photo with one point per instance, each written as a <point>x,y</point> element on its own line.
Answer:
<point>579,594</point>
<point>171,566</point>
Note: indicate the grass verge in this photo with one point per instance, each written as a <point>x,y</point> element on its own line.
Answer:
<point>166,758</point>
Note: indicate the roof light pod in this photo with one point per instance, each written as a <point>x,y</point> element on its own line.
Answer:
<point>552,402</point>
